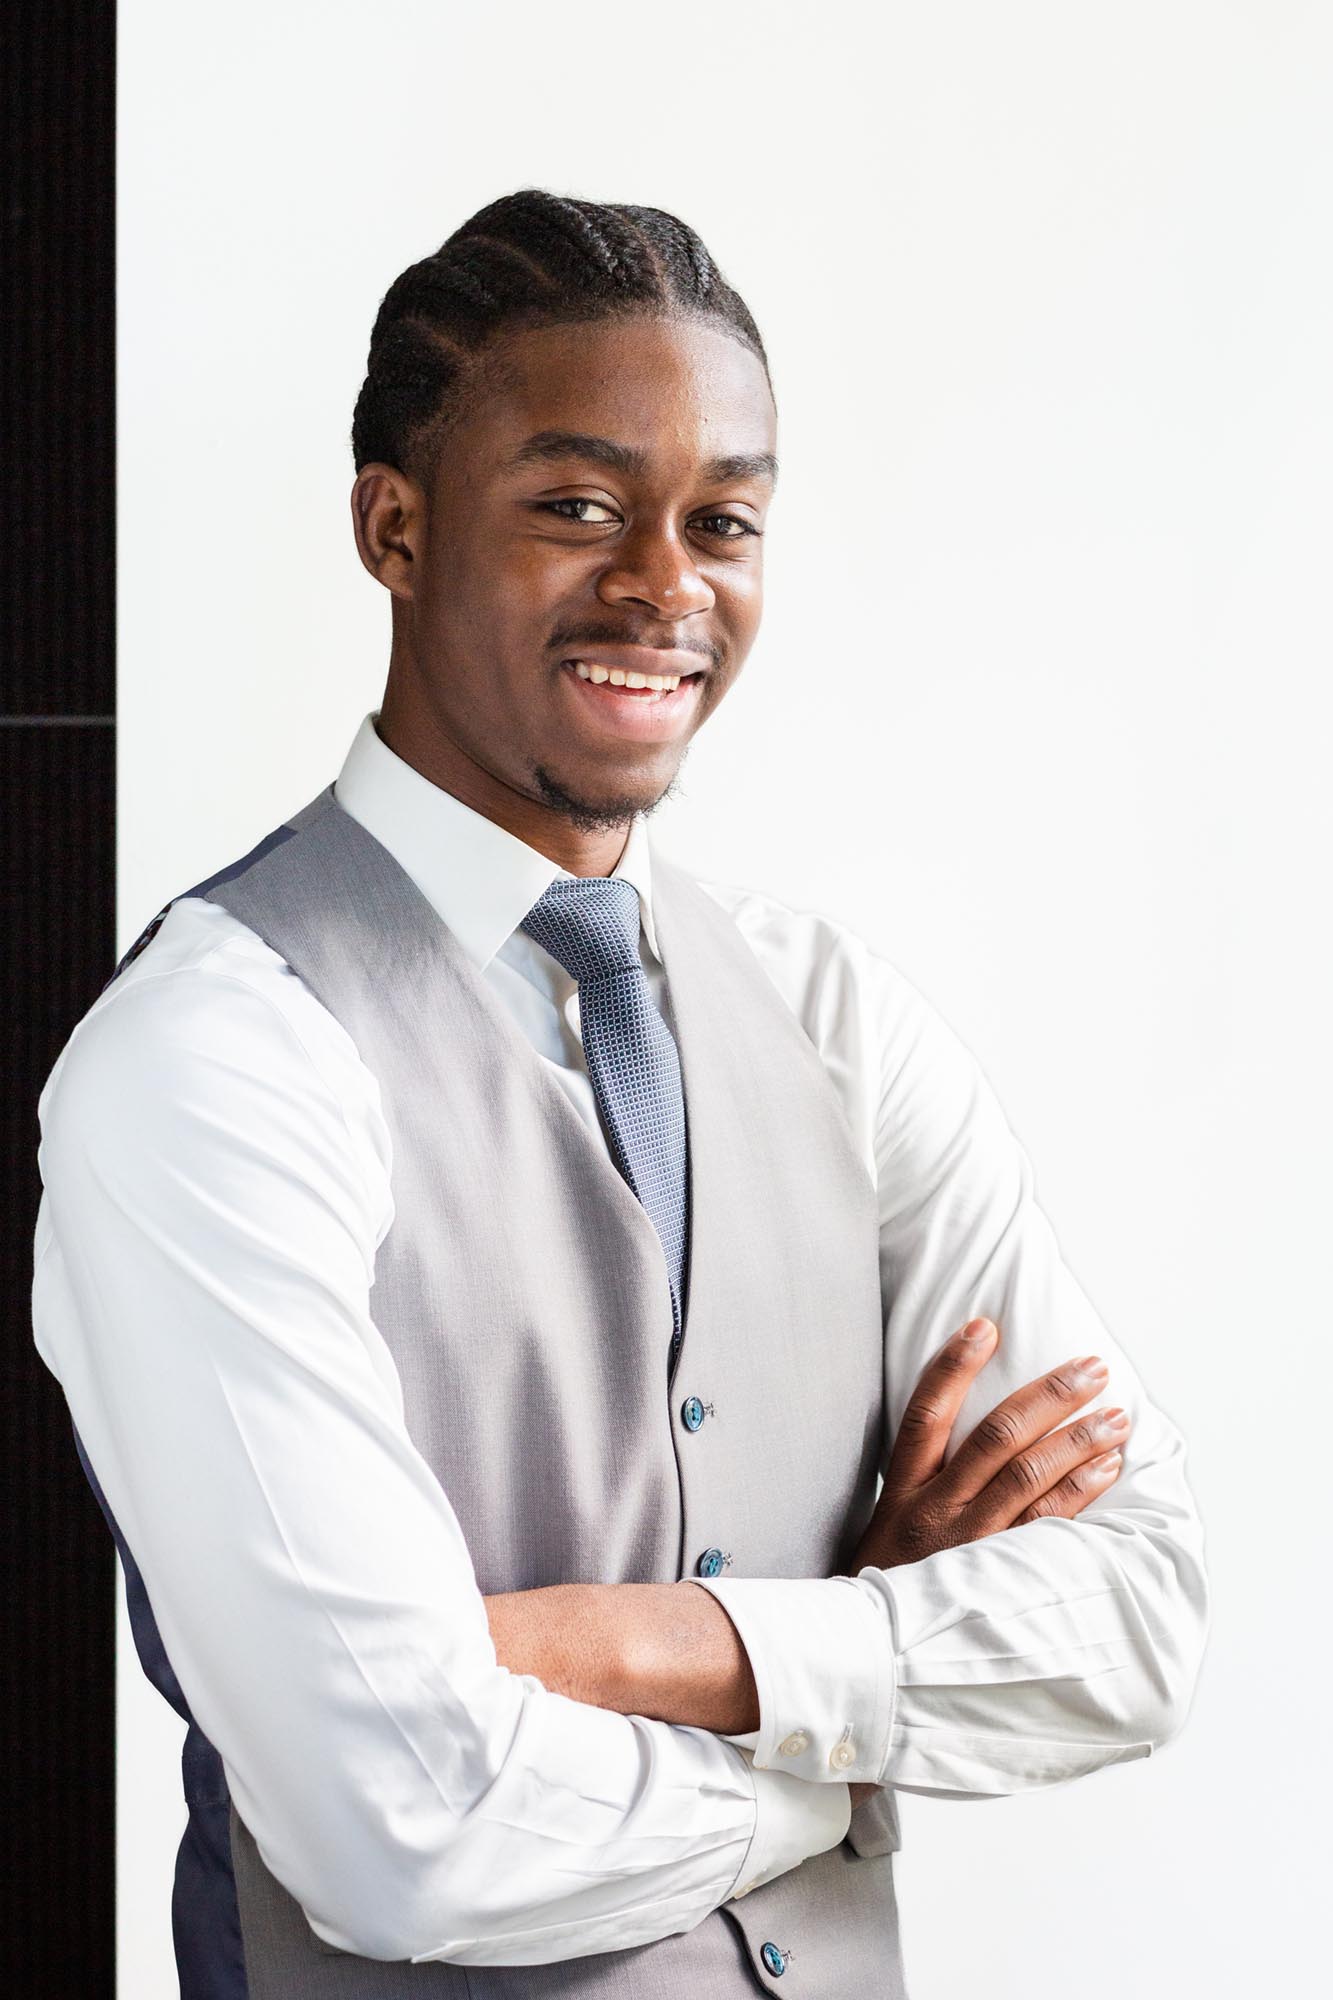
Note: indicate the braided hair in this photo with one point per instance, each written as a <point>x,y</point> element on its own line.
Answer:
<point>528,259</point>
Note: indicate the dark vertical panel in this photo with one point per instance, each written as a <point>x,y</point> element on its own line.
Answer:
<point>57,385</point>
<point>59,1704</point>
<point>57,887</point>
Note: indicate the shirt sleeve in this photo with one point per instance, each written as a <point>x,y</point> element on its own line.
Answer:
<point>1043,1651</point>
<point>204,1258</point>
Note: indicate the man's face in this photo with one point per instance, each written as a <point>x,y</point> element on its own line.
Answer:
<point>600,500</point>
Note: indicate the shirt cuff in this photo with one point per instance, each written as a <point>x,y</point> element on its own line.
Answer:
<point>792,1822</point>
<point>823,1655</point>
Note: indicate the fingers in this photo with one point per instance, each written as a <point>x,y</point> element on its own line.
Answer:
<point>923,1436</point>
<point>1019,1422</point>
<point>1063,1455</point>
<point>1073,1493</point>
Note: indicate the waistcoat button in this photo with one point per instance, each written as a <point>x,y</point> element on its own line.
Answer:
<point>710,1562</point>
<point>773,1960</point>
<point>692,1413</point>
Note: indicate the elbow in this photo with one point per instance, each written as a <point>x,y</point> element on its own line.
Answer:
<point>1171,1635</point>
<point>369,1875</point>
<point>1151,1641</point>
<point>1129,1710</point>
<point>350,1933</point>
<point>395,1860</point>
<point>400,1906</point>
<point>391,1934</point>
<point>1186,1658</point>
<point>1162,1711</point>
<point>1138,1703</point>
<point>393,1903</point>
<point>1180,1667</point>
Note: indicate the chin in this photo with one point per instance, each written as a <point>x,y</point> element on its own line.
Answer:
<point>595,808</point>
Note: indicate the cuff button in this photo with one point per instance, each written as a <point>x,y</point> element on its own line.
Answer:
<point>841,1755</point>
<point>792,1746</point>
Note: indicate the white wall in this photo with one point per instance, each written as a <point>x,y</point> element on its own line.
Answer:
<point>1040,703</point>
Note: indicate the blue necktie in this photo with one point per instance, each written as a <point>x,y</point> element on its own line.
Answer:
<point>590,923</point>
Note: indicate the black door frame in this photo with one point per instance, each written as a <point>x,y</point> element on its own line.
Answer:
<point>57,909</point>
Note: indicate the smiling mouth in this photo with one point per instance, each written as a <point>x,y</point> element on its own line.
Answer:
<point>648,687</point>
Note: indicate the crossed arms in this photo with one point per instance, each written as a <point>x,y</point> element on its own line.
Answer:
<point>653,1649</point>
<point>438,1776</point>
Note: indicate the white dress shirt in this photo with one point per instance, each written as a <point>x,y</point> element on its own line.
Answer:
<point>217,1179</point>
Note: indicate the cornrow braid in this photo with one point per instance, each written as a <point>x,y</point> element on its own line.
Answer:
<point>529,259</point>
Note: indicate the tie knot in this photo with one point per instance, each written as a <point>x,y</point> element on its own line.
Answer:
<point>590,923</point>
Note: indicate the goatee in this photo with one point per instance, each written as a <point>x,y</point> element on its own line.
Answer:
<point>597,815</point>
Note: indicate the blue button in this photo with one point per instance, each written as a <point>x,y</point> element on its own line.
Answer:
<point>692,1413</point>
<point>710,1562</point>
<point>774,1960</point>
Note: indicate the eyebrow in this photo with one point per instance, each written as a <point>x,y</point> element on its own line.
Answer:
<point>544,446</point>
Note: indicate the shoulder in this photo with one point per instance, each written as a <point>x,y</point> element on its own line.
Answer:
<point>907,1076</point>
<point>205,1022</point>
<point>832,976</point>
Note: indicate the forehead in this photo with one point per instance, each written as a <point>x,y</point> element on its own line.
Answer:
<point>677,393</point>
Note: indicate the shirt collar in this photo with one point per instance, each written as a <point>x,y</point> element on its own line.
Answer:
<point>479,878</point>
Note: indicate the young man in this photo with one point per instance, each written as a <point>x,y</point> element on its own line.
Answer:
<point>462,1228</point>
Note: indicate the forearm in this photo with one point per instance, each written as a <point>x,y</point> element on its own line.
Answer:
<point>1044,1653</point>
<point>653,1649</point>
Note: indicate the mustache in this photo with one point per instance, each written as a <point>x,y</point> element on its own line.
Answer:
<point>610,635</point>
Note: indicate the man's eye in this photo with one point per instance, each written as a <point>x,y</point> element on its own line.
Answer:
<point>599,516</point>
<point>729,527</point>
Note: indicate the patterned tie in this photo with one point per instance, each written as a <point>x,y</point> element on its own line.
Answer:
<point>590,923</point>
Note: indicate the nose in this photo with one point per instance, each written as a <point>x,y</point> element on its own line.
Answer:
<point>654,568</point>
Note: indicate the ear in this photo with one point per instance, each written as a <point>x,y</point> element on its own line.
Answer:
<point>388,520</point>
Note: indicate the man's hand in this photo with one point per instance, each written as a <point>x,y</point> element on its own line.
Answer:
<point>1013,1467</point>
<point>672,1652</point>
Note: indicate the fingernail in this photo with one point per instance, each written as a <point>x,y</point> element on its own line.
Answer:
<point>1108,1462</point>
<point>979,1329</point>
<point>1114,1420</point>
<point>1091,1365</point>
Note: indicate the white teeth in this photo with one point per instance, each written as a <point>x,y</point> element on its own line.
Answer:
<point>659,683</point>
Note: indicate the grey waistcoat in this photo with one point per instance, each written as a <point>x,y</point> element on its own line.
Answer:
<point>522,1285</point>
